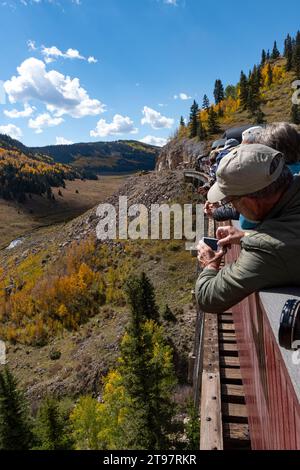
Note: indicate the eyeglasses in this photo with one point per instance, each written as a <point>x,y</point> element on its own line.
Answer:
<point>228,202</point>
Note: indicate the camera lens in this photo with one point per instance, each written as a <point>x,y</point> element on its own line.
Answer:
<point>289,330</point>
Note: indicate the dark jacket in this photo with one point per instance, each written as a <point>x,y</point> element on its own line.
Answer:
<point>226,213</point>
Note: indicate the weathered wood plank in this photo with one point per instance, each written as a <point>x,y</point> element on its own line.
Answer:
<point>231,375</point>
<point>236,436</point>
<point>228,349</point>
<point>229,361</point>
<point>211,435</point>
<point>232,393</point>
<point>226,327</point>
<point>234,413</point>
<point>225,318</point>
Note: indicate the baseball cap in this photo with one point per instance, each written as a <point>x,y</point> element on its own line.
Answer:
<point>245,170</point>
<point>250,134</point>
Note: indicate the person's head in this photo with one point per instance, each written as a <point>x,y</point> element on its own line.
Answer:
<point>252,178</point>
<point>283,137</point>
<point>250,136</point>
<point>230,143</point>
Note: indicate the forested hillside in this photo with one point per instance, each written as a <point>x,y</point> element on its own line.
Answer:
<point>262,96</point>
<point>22,175</point>
<point>101,157</point>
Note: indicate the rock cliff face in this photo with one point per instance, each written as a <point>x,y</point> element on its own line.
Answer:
<point>180,154</point>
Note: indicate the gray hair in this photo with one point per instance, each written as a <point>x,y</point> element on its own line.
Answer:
<point>283,137</point>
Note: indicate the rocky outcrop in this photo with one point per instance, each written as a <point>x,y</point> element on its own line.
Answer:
<point>180,153</point>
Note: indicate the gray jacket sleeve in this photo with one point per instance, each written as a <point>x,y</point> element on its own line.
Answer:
<point>217,291</point>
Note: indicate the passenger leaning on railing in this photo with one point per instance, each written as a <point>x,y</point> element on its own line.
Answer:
<point>258,184</point>
<point>280,136</point>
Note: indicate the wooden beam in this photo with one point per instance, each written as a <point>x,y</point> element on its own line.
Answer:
<point>211,436</point>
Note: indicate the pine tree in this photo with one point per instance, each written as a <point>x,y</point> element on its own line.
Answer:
<point>51,432</point>
<point>219,91</point>
<point>259,117</point>
<point>148,377</point>
<point>244,88</point>
<point>269,75</point>
<point>296,55</point>
<point>275,52</point>
<point>295,114</point>
<point>182,123</point>
<point>141,298</point>
<point>206,103</point>
<point>212,122</point>
<point>288,52</point>
<point>254,84</point>
<point>231,92</point>
<point>194,120</point>
<point>15,426</point>
<point>268,55</point>
<point>263,57</point>
<point>202,134</point>
<point>168,315</point>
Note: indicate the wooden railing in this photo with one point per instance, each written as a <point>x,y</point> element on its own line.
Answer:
<point>271,374</point>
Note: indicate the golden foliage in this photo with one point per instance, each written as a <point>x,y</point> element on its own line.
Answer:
<point>37,303</point>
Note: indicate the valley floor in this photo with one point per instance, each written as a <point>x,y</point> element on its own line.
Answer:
<point>78,196</point>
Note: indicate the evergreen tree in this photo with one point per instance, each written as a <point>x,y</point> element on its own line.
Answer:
<point>212,122</point>
<point>194,120</point>
<point>168,315</point>
<point>231,92</point>
<point>146,369</point>
<point>148,378</point>
<point>269,75</point>
<point>275,52</point>
<point>50,430</point>
<point>295,114</point>
<point>219,91</point>
<point>288,52</point>
<point>141,298</point>
<point>296,55</point>
<point>206,103</point>
<point>268,55</point>
<point>254,84</point>
<point>182,123</point>
<point>220,112</point>
<point>243,90</point>
<point>202,134</point>
<point>15,426</point>
<point>259,117</point>
<point>263,57</point>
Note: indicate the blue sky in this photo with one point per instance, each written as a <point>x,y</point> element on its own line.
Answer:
<point>90,70</point>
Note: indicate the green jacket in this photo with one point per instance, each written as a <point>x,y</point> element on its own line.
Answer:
<point>270,257</point>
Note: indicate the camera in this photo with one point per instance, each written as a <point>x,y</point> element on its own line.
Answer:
<point>289,329</point>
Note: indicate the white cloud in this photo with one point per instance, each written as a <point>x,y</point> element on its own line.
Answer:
<point>119,125</point>
<point>52,53</point>
<point>42,121</point>
<point>171,2</point>
<point>15,114</point>
<point>31,45</point>
<point>63,141</point>
<point>152,140</point>
<point>182,96</point>
<point>156,119</point>
<point>92,60</point>
<point>11,130</point>
<point>61,94</point>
